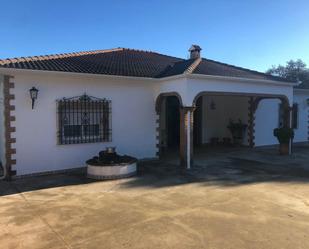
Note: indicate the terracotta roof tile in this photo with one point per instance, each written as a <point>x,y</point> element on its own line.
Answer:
<point>130,62</point>
<point>215,68</point>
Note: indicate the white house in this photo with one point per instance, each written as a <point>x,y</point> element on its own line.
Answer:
<point>141,102</point>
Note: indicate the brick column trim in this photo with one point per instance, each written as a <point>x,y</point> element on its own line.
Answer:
<point>251,122</point>
<point>186,137</point>
<point>158,138</point>
<point>9,129</point>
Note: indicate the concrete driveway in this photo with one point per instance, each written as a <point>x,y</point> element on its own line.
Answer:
<point>236,199</point>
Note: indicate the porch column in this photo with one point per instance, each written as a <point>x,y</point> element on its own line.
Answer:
<point>186,136</point>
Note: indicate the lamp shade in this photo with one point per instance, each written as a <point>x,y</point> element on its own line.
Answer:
<point>33,93</point>
<point>212,105</point>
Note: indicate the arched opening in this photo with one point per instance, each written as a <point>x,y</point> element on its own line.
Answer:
<point>168,108</point>
<point>210,122</point>
<point>214,119</point>
<point>218,114</point>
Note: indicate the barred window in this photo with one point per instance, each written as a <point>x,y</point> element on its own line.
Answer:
<point>84,119</point>
<point>295,116</point>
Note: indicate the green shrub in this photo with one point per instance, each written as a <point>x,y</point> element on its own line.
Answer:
<point>284,135</point>
<point>237,129</point>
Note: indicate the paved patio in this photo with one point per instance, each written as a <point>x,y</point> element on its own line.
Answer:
<point>231,198</point>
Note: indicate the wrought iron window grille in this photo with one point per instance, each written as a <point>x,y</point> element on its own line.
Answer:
<point>84,119</point>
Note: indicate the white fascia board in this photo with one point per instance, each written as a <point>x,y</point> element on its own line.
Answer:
<point>238,79</point>
<point>301,90</point>
<point>73,74</point>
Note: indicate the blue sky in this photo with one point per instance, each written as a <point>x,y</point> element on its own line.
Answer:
<point>252,34</point>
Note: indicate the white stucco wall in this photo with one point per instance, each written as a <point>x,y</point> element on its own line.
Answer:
<point>302,133</point>
<point>266,120</point>
<point>215,122</point>
<point>178,85</point>
<point>133,114</point>
<point>195,86</point>
<point>133,120</point>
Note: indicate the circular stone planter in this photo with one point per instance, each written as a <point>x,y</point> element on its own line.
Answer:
<point>110,165</point>
<point>111,171</point>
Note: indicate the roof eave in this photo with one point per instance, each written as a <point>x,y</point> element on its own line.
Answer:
<point>301,89</point>
<point>74,74</point>
<point>215,77</point>
<point>178,76</point>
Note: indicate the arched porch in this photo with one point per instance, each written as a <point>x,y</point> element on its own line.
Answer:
<point>190,116</point>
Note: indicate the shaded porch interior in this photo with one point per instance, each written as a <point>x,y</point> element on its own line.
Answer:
<point>212,118</point>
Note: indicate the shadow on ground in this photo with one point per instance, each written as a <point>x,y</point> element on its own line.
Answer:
<point>75,177</point>
<point>229,167</point>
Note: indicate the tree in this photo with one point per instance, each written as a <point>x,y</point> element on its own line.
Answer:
<point>293,71</point>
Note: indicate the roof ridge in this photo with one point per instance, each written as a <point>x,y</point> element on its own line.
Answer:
<point>152,52</point>
<point>56,56</point>
<point>72,54</point>
<point>193,66</point>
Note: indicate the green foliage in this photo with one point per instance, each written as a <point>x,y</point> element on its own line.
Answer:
<point>284,135</point>
<point>237,128</point>
<point>107,158</point>
<point>293,70</point>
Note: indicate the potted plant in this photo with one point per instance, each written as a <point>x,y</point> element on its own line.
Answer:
<point>284,136</point>
<point>237,130</point>
<point>110,165</point>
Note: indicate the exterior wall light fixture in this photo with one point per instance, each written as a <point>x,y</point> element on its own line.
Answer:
<point>33,95</point>
<point>213,105</point>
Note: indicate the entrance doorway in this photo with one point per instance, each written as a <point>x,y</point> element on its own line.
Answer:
<point>198,122</point>
<point>172,117</point>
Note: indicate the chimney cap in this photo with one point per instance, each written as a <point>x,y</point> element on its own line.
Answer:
<point>195,48</point>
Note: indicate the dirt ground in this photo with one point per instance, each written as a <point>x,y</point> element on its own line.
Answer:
<point>231,200</point>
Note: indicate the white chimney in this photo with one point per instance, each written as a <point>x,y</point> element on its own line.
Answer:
<point>195,52</point>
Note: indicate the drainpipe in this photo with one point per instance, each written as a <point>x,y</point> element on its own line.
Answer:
<point>186,132</point>
<point>189,140</point>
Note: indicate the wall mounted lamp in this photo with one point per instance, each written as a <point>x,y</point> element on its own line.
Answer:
<point>213,105</point>
<point>33,95</point>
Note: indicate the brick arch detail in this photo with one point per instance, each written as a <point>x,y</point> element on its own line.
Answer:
<point>161,96</point>
<point>158,106</point>
<point>254,100</point>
